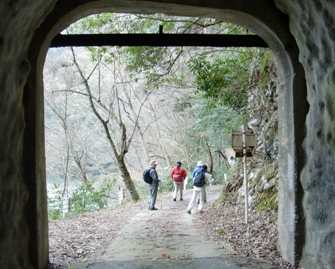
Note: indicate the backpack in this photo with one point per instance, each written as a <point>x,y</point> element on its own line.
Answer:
<point>146,176</point>
<point>199,179</point>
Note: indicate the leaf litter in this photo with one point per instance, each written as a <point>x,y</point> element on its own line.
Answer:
<point>84,237</point>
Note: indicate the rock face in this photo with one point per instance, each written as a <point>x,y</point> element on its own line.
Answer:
<point>263,166</point>
<point>305,123</point>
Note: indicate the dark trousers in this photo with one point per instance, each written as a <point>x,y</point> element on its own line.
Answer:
<point>153,195</point>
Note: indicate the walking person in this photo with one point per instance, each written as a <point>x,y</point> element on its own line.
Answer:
<point>154,185</point>
<point>195,171</point>
<point>198,168</point>
<point>199,181</point>
<point>178,175</point>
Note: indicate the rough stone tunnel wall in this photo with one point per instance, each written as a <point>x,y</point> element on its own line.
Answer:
<point>313,25</point>
<point>18,21</point>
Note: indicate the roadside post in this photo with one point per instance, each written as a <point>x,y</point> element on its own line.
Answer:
<point>66,206</point>
<point>243,143</point>
<point>122,195</point>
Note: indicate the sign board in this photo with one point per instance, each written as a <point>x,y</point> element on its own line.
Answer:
<point>237,142</point>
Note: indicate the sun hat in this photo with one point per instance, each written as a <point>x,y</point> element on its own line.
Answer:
<point>200,163</point>
<point>153,162</point>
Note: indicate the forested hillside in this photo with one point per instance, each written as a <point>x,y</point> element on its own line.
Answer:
<point>110,110</point>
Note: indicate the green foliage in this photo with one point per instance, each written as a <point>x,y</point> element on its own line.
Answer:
<point>166,184</point>
<point>265,61</point>
<point>55,204</point>
<point>226,78</point>
<point>268,198</point>
<point>223,80</point>
<point>218,120</point>
<point>189,183</point>
<point>145,60</point>
<point>266,202</point>
<point>155,63</point>
<point>87,198</point>
<point>140,23</point>
<point>222,197</point>
<point>214,124</point>
<point>263,71</point>
<point>218,173</point>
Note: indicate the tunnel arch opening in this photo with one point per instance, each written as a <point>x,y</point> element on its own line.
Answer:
<point>292,105</point>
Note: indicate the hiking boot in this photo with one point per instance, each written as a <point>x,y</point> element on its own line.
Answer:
<point>153,208</point>
<point>181,199</point>
<point>189,212</point>
<point>174,199</point>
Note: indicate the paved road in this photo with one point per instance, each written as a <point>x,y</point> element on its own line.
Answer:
<point>169,238</point>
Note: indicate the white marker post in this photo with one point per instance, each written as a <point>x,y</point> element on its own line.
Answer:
<point>66,206</point>
<point>245,172</point>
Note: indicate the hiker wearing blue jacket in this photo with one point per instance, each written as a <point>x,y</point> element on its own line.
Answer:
<point>197,169</point>
<point>199,189</point>
<point>210,179</point>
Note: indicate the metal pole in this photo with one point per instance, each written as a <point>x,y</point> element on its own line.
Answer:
<point>245,172</point>
<point>158,40</point>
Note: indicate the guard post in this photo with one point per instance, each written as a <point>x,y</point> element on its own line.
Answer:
<point>122,194</point>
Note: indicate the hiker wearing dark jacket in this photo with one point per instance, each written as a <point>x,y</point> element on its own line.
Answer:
<point>199,190</point>
<point>178,175</point>
<point>153,185</point>
<point>195,171</point>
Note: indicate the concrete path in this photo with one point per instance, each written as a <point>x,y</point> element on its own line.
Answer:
<point>169,238</point>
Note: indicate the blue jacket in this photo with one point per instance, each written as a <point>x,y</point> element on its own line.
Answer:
<point>196,170</point>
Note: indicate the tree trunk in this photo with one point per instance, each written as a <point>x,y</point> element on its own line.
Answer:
<point>209,157</point>
<point>225,160</point>
<point>127,179</point>
<point>124,144</point>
